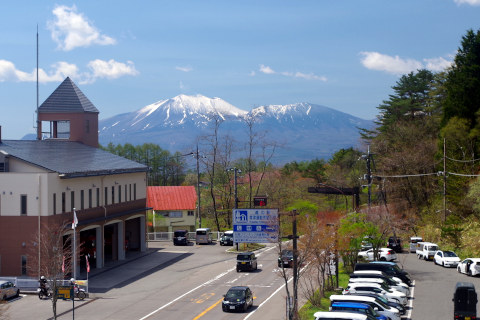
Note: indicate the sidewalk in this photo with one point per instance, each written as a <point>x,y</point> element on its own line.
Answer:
<point>117,274</point>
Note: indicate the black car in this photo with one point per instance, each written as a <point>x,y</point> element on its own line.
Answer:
<point>395,244</point>
<point>465,301</point>
<point>227,239</point>
<point>246,261</point>
<point>180,237</point>
<point>238,298</point>
<point>390,269</point>
<point>285,259</point>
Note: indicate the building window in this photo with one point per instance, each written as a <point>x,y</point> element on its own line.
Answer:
<point>24,265</point>
<point>175,214</point>
<point>89,198</point>
<point>126,199</point>
<point>190,213</point>
<point>119,194</point>
<point>82,199</point>
<point>106,195</point>
<point>87,126</point>
<point>54,203</point>
<point>130,192</point>
<point>113,194</point>
<point>72,200</point>
<point>63,202</point>
<point>134,191</point>
<point>23,204</point>
<point>98,197</point>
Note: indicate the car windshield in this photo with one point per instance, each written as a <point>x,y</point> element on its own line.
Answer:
<point>243,257</point>
<point>432,248</point>
<point>287,253</point>
<point>179,233</point>
<point>449,254</point>
<point>235,294</point>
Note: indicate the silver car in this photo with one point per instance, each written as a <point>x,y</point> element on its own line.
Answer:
<point>8,290</point>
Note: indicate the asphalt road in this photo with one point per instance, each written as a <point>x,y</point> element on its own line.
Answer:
<point>191,286</point>
<point>434,287</point>
<point>189,283</point>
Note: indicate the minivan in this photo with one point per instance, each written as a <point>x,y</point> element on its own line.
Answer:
<point>180,238</point>
<point>413,243</point>
<point>203,235</point>
<point>464,301</point>
<point>389,268</point>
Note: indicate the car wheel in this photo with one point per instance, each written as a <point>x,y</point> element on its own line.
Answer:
<point>18,294</point>
<point>443,264</point>
<point>458,269</point>
<point>383,259</point>
<point>469,273</point>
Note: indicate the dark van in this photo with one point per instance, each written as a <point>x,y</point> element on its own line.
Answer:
<point>465,301</point>
<point>395,244</point>
<point>180,238</point>
<point>389,268</point>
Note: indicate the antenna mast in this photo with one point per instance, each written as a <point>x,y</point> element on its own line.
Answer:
<point>39,136</point>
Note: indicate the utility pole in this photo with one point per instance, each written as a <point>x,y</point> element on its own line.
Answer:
<point>444,183</point>
<point>369,178</point>
<point>295,264</point>
<point>198,191</point>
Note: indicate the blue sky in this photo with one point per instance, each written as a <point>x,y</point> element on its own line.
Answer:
<point>124,55</point>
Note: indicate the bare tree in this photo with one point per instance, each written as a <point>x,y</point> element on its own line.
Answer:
<point>55,256</point>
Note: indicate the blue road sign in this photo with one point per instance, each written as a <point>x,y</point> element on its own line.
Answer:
<point>255,225</point>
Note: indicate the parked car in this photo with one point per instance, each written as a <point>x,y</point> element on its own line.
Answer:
<point>246,261</point>
<point>355,307</point>
<point>285,259</point>
<point>389,268</point>
<point>381,281</point>
<point>391,281</point>
<point>381,307</point>
<point>328,315</point>
<point>384,254</point>
<point>446,258</point>
<point>237,298</point>
<point>8,290</point>
<point>390,294</point>
<point>469,266</point>
<point>426,250</point>
<point>227,238</point>
<point>413,243</point>
<point>395,244</point>
<point>465,301</point>
<point>381,301</point>
<point>180,238</point>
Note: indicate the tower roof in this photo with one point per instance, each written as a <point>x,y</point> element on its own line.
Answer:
<point>67,98</point>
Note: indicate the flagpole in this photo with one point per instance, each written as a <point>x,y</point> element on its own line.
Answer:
<point>74,225</point>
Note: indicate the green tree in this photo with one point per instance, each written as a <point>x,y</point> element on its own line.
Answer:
<point>463,81</point>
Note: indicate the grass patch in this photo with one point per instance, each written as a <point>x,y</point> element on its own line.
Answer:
<point>307,310</point>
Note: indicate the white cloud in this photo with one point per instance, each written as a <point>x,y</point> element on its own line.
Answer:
<point>470,2</point>
<point>184,69</point>
<point>71,30</point>
<point>309,76</point>
<point>396,65</point>
<point>111,69</point>
<point>437,64</point>
<point>252,73</point>
<point>60,70</point>
<point>266,69</point>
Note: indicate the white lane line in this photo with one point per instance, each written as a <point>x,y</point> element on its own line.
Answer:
<point>183,295</point>
<point>410,304</point>
<point>202,285</point>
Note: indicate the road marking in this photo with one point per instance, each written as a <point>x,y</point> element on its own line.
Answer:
<point>410,303</point>
<point>208,309</point>
<point>186,293</point>
<point>204,297</point>
<point>198,287</point>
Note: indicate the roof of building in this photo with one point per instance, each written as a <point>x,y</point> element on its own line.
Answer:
<point>70,159</point>
<point>172,198</point>
<point>67,98</point>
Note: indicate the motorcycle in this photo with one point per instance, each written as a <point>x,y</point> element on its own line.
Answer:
<point>79,292</point>
<point>44,293</point>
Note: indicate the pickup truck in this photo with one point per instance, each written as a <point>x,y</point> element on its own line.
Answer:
<point>426,250</point>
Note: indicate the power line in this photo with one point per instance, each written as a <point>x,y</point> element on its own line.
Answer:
<point>473,160</point>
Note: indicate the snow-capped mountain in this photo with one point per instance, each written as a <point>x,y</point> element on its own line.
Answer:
<point>305,131</point>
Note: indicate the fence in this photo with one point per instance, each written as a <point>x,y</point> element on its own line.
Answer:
<point>168,236</point>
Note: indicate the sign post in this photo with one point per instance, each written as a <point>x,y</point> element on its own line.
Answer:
<point>255,225</point>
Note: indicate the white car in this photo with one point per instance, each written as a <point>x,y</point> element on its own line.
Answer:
<point>381,273</point>
<point>469,266</point>
<point>446,258</point>
<point>391,294</point>
<point>384,254</point>
<point>381,281</point>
